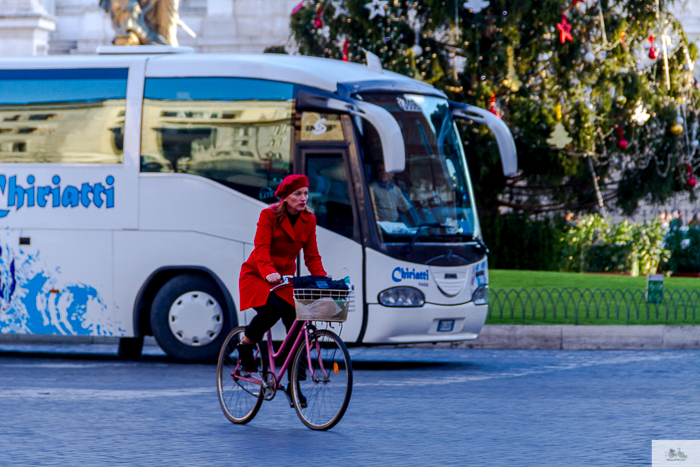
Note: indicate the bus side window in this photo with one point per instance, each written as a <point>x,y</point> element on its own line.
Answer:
<point>328,193</point>
<point>71,116</point>
<point>234,131</point>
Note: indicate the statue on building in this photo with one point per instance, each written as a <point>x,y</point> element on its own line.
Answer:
<point>145,22</point>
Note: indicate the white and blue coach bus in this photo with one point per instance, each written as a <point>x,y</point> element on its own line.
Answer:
<point>131,185</point>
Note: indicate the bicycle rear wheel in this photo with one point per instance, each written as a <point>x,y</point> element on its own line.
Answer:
<point>321,392</point>
<point>240,400</point>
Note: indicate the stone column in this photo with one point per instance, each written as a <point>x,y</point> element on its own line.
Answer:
<point>24,28</point>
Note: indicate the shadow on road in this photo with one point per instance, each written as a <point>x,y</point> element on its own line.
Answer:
<point>374,365</point>
<point>357,364</point>
<point>79,356</point>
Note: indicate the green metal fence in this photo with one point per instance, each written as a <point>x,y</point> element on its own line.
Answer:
<point>579,306</point>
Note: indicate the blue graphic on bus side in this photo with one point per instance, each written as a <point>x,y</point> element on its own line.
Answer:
<point>400,274</point>
<point>479,274</point>
<point>34,300</point>
<point>55,196</point>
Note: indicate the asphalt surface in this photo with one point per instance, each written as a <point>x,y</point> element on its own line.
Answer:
<point>79,405</point>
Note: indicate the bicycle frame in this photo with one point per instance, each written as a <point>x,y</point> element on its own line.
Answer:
<point>273,355</point>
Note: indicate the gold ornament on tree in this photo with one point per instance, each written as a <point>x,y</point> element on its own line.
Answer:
<point>677,129</point>
<point>512,81</point>
<point>453,39</point>
<point>559,137</point>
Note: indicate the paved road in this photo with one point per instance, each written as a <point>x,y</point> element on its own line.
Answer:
<point>420,407</point>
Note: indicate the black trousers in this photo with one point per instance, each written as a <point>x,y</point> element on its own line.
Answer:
<point>268,315</point>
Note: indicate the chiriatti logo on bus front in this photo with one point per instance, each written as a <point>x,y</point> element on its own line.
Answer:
<point>31,193</point>
<point>401,274</point>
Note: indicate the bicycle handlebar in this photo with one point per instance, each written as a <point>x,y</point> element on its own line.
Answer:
<point>286,280</point>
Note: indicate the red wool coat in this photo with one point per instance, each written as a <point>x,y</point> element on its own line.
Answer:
<point>277,245</point>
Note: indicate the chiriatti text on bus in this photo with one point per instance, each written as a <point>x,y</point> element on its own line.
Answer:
<point>55,195</point>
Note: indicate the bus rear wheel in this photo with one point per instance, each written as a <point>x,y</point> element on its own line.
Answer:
<point>188,318</point>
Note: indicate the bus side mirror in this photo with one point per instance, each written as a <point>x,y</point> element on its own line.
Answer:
<point>393,148</point>
<point>504,138</point>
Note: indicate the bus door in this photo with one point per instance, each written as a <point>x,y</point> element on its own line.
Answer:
<point>338,231</point>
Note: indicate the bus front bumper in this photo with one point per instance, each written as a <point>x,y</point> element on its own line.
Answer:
<point>394,325</point>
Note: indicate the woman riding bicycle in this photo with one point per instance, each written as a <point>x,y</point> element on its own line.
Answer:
<point>283,230</point>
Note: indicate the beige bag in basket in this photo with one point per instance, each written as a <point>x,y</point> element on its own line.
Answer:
<point>319,310</point>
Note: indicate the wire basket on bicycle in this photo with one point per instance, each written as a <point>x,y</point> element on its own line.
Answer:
<point>318,298</point>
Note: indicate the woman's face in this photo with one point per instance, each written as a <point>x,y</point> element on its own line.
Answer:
<point>296,202</point>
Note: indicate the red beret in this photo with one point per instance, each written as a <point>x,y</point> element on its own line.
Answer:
<point>290,184</point>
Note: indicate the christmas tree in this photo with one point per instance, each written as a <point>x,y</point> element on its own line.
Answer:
<point>599,95</point>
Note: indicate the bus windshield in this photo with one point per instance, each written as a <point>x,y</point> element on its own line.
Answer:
<point>432,198</point>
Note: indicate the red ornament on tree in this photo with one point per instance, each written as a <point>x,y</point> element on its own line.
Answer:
<point>492,106</point>
<point>345,51</point>
<point>691,182</point>
<point>653,54</point>
<point>564,30</point>
<point>621,143</point>
<point>318,22</point>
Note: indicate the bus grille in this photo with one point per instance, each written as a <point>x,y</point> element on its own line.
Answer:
<point>450,281</point>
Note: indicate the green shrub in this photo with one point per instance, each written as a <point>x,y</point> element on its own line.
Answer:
<point>684,244</point>
<point>621,247</point>
<point>648,240</point>
<point>578,237</point>
<point>590,244</point>
<point>609,257</point>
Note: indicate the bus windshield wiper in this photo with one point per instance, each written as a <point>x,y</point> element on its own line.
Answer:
<point>407,249</point>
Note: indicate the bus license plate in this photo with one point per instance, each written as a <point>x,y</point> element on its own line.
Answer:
<point>446,325</point>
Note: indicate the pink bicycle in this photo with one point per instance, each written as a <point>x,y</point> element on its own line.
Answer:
<point>319,362</point>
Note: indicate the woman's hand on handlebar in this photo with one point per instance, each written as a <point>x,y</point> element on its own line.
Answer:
<point>273,278</point>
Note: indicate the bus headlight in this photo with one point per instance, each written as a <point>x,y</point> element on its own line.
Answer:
<point>402,296</point>
<point>481,295</point>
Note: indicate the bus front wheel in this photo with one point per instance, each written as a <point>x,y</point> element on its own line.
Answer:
<point>189,319</point>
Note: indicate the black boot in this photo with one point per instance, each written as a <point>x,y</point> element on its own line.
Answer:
<point>245,356</point>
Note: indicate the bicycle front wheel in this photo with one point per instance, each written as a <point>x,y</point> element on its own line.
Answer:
<point>322,380</point>
<point>239,399</point>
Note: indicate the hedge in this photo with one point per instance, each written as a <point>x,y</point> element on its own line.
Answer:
<point>589,244</point>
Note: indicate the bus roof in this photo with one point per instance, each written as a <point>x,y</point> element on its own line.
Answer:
<point>330,75</point>
<point>323,73</point>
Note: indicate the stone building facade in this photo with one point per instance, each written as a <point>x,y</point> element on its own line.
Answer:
<point>25,27</point>
<point>40,27</point>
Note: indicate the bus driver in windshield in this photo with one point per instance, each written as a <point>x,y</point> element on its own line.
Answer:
<point>387,198</point>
